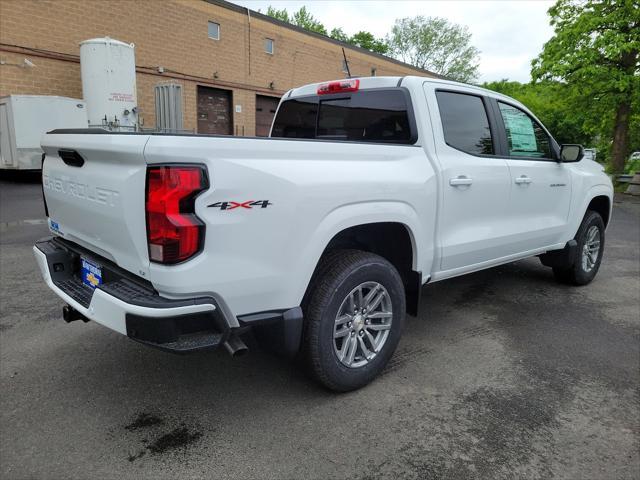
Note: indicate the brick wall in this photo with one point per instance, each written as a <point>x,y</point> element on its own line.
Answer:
<point>171,34</point>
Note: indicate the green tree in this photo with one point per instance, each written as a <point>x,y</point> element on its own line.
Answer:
<point>367,41</point>
<point>303,18</point>
<point>552,102</point>
<point>338,34</point>
<point>435,44</point>
<point>278,14</point>
<point>595,49</point>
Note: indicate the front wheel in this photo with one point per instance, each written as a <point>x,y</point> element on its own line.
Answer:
<point>590,239</point>
<point>354,315</point>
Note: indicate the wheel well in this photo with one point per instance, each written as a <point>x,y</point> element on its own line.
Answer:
<point>391,241</point>
<point>601,204</point>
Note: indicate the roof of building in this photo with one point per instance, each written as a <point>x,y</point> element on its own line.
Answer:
<point>280,23</point>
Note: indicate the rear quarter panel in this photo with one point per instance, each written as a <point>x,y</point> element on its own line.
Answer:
<point>262,258</point>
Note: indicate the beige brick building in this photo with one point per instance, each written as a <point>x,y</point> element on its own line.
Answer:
<point>175,42</point>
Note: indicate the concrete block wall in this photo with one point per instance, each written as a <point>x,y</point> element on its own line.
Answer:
<point>172,34</point>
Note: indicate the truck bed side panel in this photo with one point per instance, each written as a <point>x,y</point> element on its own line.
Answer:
<point>262,258</point>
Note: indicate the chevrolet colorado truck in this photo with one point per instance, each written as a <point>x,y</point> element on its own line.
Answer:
<point>319,238</point>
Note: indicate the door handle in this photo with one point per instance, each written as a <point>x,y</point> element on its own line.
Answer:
<point>523,179</point>
<point>460,180</point>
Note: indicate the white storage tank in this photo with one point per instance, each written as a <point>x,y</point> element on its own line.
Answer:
<point>23,121</point>
<point>108,70</point>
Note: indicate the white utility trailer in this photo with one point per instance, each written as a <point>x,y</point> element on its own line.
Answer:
<point>25,118</point>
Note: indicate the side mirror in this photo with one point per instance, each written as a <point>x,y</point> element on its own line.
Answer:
<point>571,153</point>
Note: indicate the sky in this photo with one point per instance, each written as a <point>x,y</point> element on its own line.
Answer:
<point>508,33</point>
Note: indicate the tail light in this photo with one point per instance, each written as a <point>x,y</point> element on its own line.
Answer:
<point>339,86</point>
<point>174,232</point>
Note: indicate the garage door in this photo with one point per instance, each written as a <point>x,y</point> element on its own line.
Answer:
<point>214,111</point>
<point>265,110</point>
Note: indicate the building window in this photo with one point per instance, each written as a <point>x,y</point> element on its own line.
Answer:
<point>268,45</point>
<point>214,30</point>
<point>374,71</point>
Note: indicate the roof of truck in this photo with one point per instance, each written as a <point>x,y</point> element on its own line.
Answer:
<point>388,82</point>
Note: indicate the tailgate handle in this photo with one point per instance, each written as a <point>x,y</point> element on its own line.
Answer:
<point>71,158</point>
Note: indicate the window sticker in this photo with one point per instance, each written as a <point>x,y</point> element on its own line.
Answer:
<point>520,129</point>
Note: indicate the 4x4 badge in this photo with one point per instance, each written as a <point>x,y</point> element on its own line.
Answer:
<point>249,204</point>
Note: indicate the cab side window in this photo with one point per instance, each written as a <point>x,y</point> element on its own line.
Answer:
<point>465,122</point>
<point>525,136</point>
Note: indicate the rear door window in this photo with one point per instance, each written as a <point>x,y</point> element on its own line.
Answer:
<point>465,122</point>
<point>377,116</point>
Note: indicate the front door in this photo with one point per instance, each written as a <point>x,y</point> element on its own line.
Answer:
<point>475,183</point>
<point>214,111</point>
<point>541,186</point>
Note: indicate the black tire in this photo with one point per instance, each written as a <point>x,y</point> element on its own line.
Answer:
<point>339,273</point>
<point>576,274</point>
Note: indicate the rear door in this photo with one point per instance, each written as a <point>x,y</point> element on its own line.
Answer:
<point>475,183</point>
<point>540,186</point>
<point>94,187</point>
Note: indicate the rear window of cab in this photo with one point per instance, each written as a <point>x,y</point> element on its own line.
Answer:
<point>374,116</point>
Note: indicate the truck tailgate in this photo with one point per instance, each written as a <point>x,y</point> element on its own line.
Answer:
<point>94,186</point>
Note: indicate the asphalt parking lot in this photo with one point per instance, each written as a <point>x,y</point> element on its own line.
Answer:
<point>506,374</point>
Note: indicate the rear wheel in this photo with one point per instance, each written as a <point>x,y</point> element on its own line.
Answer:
<point>590,239</point>
<point>354,315</point>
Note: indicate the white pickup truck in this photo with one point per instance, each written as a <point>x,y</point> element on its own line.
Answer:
<point>319,238</point>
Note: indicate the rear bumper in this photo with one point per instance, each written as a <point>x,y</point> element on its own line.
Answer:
<point>129,305</point>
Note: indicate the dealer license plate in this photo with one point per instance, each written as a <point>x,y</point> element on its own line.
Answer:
<point>90,273</point>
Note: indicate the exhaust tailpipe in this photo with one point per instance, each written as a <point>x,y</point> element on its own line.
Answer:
<point>235,346</point>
